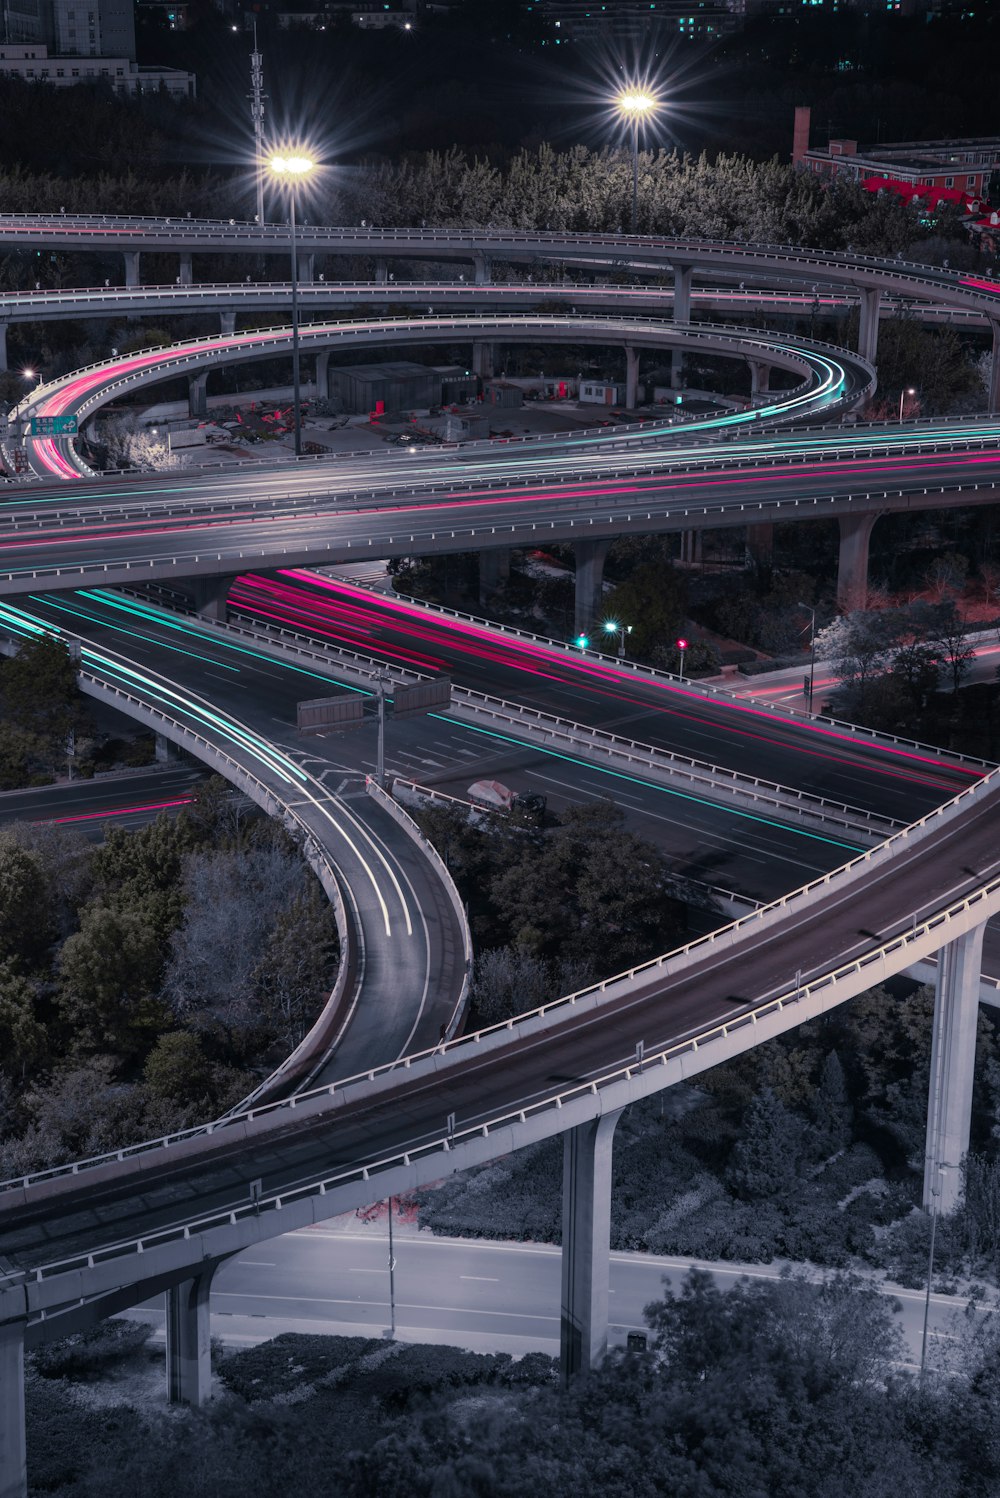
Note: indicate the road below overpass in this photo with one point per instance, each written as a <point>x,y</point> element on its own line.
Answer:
<point>480,1294</point>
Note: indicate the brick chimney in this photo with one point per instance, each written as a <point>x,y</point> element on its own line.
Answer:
<point>800,135</point>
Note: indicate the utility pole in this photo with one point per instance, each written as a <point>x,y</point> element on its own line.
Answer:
<point>257,117</point>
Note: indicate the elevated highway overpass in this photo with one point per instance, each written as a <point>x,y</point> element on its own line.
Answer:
<point>79,1244</point>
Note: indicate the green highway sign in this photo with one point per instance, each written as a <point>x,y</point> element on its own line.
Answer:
<point>53,426</point>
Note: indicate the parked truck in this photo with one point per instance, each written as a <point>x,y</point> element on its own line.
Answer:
<point>493,795</point>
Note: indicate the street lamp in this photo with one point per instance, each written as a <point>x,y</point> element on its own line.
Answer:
<point>634,104</point>
<point>612,627</point>
<point>812,648</point>
<point>289,170</point>
<point>682,645</point>
<point>902,396</point>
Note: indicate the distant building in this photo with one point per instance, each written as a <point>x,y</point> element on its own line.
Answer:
<point>632,21</point>
<point>963,165</point>
<point>73,28</point>
<point>33,63</point>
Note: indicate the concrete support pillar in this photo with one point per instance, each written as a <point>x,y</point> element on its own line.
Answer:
<point>494,569</point>
<point>631,378</point>
<point>691,546</point>
<point>186,274</point>
<point>209,595</point>
<point>381,272</point>
<point>482,359</point>
<point>323,373</point>
<point>189,1363</point>
<point>852,567</point>
<point>760,377</point>
<point>760,543</point>
<point>682,293</point>
<point>484,269</point>
<point>992,395</point>
<point>227,323</point>
<point>586,1243</point>
<point>953,1060</point>
<point>871,305</point>
<point>305,267</point>
<point>13,1462</point>
<point>590,557</point>
<point>3,347</point>
<point>165,751</point>
<point>131,258</point>
<point>198,394</point>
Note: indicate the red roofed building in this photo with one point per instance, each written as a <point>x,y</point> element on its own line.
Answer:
<point>954,170</point>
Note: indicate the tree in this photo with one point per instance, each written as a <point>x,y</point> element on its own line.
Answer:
<point>109,974</point>
<point>508,982</point>
<point>25,906</point>
<point>40,695</point>
<point>296,972</point>
<point>765,1159</point>
<point>24,1042</point>
<point>653,600</point>
<point>130,445</point>
<point>951,639</point>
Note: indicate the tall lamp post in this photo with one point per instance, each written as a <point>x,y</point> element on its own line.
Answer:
<point>812,649</point>
<point>682,645</point>
<point>634,104</point>
<point>289,171</point>
<point>902,396</point>
<point>612,627</point>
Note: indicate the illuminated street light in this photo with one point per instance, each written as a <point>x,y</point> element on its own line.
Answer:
<point>910,390</point>
<point>634,105</point>
<point>682,645</point>
<point>581,642</point>
<point>289,171</point>
<point>612,627</point>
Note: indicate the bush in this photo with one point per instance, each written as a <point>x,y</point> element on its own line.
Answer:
<point>289,1362</point>
<point>417,1371</point>
<point>90,1354</point>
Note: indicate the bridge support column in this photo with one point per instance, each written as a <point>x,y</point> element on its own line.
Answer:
<point>209,595</point>
<point>590,557</point>
<point>198,394</point>
<point>305,268</point>
<point>482,359</point>
<point>992,395</point>
<point>3,346</point>
<point>189,1363</point>
<point>494,569</point>
<point>871,306</point>
<point>165,750</point>
<point>13,1460</point>
<point>953,1060</point>
<point>484,269</point>
<point>760,377</point>
<point>852,568</point>
<point>227,323</point>
<point>131,258</point>
<point>586,1243</point>
<point>682,316</point>
<point>323,373</point>
<point>690,546</point>
<point>186,274</point>
<point>631,378</point>
<point>760,543</point>
<point>381,272</point>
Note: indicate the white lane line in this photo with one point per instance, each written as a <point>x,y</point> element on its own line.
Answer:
<point>486,1279</point>
<point>320,1300</point>
<point>258,1263</point>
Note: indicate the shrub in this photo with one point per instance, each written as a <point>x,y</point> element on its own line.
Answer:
<point>288,1362</point>
<point>90,1354</point>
